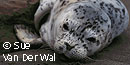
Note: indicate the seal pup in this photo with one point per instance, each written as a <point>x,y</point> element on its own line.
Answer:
<point>76,28</point>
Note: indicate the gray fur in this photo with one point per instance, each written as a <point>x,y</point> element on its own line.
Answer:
<point>79,28</point>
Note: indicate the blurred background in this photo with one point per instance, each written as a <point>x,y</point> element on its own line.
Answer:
<point>10,6</point>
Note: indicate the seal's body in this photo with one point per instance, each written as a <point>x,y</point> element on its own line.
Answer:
<point>79,28</point>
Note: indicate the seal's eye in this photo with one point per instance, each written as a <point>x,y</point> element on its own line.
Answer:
<point>91,39</point>
<point>65,26</point>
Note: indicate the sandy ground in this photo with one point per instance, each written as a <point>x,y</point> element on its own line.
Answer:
<point>118,53</point>
<point>10,6</point>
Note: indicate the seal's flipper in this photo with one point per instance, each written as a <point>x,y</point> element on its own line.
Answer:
<point>27,35</point>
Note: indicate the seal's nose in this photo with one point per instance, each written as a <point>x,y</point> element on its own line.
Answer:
<point>68,47</point>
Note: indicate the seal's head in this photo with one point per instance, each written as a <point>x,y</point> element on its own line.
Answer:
<point>78,36</point>
<point>74,40</point>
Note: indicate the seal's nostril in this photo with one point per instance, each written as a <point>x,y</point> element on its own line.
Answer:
<point>65,26</point>
<point>68,47</point>
<point>61,48</point>
<point>66,43</point>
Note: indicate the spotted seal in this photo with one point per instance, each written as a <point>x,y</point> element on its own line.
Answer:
<point>77,28</point>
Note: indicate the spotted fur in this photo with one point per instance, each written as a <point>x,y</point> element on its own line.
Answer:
<point>79,28</point>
